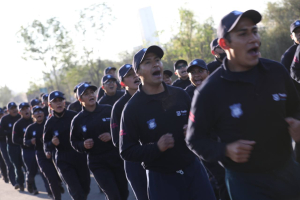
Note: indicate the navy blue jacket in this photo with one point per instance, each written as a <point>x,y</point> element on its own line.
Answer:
<point>212,66</point>
<point>111,100</point>
<point>34,130</point>
<point>190,90</point>
<point>145,119</point>
<point>181,83</point>
<point>249,105</point>
<point>7,123</point>
<point>19,130</point>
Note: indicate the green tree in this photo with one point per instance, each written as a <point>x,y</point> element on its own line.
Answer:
<point>5,95</point>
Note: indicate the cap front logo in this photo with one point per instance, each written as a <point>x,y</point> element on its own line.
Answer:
<point>56,94</point>
<point>9,125</point>
<point>86,85</point>
<point>195,62</point>
<point>23,104</point>
<point>297,23</point>
<point>56,133</point>
<point>236,110</point>
<point>24,129</point>
<point>108,76</point>
<point>151,124</point>
<point>236,12</point>
<point>11,103</point>
<point>127,66</point>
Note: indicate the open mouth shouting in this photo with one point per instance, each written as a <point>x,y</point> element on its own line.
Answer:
<point>137,81</point>
<point>92,100</point>
<point>157,73</point>
<point>254,51</point>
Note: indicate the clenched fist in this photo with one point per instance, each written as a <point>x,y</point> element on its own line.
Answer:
<point>240,150</point>
<point>165,142</point>
<point>88,143</point>
<point>55,140</point>
<point>105,137</point>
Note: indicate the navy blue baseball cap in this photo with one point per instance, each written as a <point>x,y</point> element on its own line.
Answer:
<point>24,104</point>
<point>83,87</point>
<point>34,102</point>
<point>35,108</point>
<point>139,56</point>
<point>198,63</point>
<point>45,96</point>
<point>109,68</point>
<point>214,44</point>
<point>106,78</point>
<point>75,88</point>
<point>124,70</point>
<point>55,94</point>
<point>229,21</point>
<point>178,62</point>
<point>294,25</point>
<point>168,72</point>
<point>11,104</point>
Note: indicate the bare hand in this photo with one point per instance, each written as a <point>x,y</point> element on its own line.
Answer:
<point>184,129</point>
<point>294,128</point>
<point>165,142</point>
<point>88,143</point>
<point>55,141</point>
<point>33,141</point>
<point>48,155</point>
<point>105,137</point>
<point>240,150</point>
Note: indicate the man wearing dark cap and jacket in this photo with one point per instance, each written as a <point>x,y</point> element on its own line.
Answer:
<point>111,94</point>
<point>28,152</point>
<point>71,164</point>
<point>219,55</point>
<point>252,105</point>
<point>183,80</point>
<point>152,133</point>
<point>75,106</point>
<point>4,167</point>
<point>167,77</point>
<point>14,151</point>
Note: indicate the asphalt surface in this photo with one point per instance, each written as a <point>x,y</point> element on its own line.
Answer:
<point>7,191</point>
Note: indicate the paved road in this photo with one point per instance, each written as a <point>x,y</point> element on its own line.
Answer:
<point>7,192</point>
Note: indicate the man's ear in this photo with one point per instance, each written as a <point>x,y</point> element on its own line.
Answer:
<point>223,43</point>
<point>292,37</point>
<point>176,73</point>
<point>213,52</point>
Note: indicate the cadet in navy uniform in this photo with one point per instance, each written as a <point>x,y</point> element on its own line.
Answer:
<point>219,55</point>
<point>108,71</point>
<point>14,151</point>
<point>34,136</point>
<point>71,164</point>
<point>45,105</point>
<point>167,77</point>
<point>3,166</point>
<point>35,102</point>
<point>28,153</point>
<point>90,133</point>
<point>152,132</point>
<point>246,104</point>
<point>75,106</point>
<point>198,72</point>
<point>135,173</point>
<point>111,94</point>
<point>183,80</point>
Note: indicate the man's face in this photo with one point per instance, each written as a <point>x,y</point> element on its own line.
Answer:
<point>218,51</point>
<point>58,105</point>
<point>13,111</point>
<point>167,79</point>
<point>131,80</point>
<point>88,98</point>
<point>110,87</point>
<point>243,50</point>
<point>296,35</point>
<point>38,115</point>
<point>111,72</point>
<point>197,75</point>
<point>181,70</point>
<point>151,69</point>
<point>25,112</point>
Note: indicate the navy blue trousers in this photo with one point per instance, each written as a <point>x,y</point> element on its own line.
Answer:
<point>279,184</point>
<point>31,166</point>
<point>75,172</point>
<point>108,170</point>
<point>15,155</point>
<point>191,184</point>
<point>136,175</point>
<point>8,163</point>
<point>49,171</point>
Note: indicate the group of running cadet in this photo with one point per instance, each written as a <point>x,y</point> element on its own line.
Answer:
<point>220,131</point>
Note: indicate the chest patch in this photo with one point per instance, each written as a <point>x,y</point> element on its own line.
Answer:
<point>33,133</point>
<point>151,124</point>
<point>84,128</point>
<point>9,125</point>
<point>56,133</point>
<point>236,110</point>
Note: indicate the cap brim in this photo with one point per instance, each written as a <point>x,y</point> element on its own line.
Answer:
<point>189,67</point>
<point>109,79</point>
<point>252,14</point>
<point>91,86</point>
<point>154,49</point>
<point>127,71</point>
<point>57,97</point>
<point>169,73</point>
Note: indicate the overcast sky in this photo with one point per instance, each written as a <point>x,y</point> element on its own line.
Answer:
<point>123,34</point>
